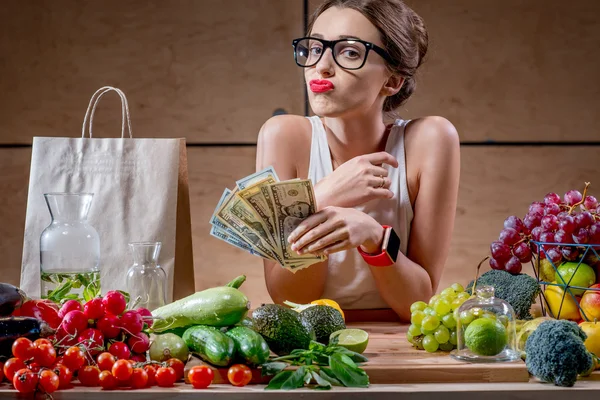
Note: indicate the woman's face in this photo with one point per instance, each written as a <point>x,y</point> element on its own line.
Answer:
<point>353,90</point>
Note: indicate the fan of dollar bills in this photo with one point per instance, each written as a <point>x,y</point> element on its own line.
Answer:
<point>261,212</point>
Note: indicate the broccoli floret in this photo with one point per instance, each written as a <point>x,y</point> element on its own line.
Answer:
<point>518,290</point>
<point>556,353</point>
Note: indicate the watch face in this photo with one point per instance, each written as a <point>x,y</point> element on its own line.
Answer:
<point>391,244</point>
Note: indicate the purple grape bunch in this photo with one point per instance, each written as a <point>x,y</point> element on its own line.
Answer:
<point>562,222</point>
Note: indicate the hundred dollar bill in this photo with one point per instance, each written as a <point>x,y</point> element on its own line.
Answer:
<point>226,237</point>
<point>237,216</point>
<point>268,172</point>
<point>253,196</point>
<point>293,201</point>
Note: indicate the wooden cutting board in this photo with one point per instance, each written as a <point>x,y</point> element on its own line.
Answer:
<point>393,360</point>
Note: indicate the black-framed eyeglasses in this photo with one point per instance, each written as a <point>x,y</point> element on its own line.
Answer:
<point>347,53</point>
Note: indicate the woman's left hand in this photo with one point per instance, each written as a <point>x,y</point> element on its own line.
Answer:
<point>335,229</point>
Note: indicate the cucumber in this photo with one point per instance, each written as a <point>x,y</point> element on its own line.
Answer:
<point>210,344</point>
<point>249,345</point>
<point>218,306</point>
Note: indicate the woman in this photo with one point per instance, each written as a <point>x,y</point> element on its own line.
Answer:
<point>359,63</point>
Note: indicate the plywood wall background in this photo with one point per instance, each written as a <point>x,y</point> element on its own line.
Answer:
<point>518,79</point>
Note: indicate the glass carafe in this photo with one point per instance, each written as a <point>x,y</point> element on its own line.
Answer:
<point>69,248</point>
<point>146,280</point>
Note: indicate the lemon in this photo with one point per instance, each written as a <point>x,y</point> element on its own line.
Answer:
<point>353,339</point>
<point>486,337</point>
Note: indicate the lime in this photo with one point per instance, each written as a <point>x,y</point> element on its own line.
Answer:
<point>486,337</point>
<point>575,274</point>
<point>353,339</point>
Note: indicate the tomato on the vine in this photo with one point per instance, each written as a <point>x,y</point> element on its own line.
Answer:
<point>89,376</point>
<point>49,381</point>
<point>41,341</point>
<point>25,381</point>
<point>108,381</point>
<point>239,375</point>
<point>151,371</point>
<point>44,355</point>
<point>122,370</point>
<point>64,375</point>
<point>165,377</point>
<point>11,367</point>
<point>74,358</point>
<point>106,361</point>
<point>178,366</point>
<point>201,376</point>
<point>139,378</point>
<point>22,348</point>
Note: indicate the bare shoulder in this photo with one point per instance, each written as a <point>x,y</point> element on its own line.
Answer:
<point>285,129</point>
<point>431,133</point>
<point>284,143</point>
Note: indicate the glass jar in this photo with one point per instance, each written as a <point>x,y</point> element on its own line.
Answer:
<point>485,329</point>
<point>146,280</point>
<point>69,249</point>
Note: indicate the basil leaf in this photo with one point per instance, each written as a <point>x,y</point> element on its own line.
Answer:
<point>272,368</point>
<point>57,294</point>
<point>356,357</point>
<point>321,382</point>
<point>327,375</point>
<point>316,346</point>
<point>71,296</point>
<point>307,377</point>
<point>88,293</point>
<point>347,372</point>
<point>46,278</point>
<point>84,281</point>
<point>278,380</point>
<point>296,380</point>
<point>322,360</point>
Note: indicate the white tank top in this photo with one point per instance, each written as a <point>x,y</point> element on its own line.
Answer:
<point>349,281</point>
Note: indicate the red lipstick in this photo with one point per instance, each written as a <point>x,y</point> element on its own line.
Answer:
<point>320,85</point>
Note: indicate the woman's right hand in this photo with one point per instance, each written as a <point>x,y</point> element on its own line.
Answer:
<point>357,181</point>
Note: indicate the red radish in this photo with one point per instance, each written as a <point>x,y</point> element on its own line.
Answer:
<point>109,326</point>
<point>94,340</point>
<point>119,350</point>
<point>131,322</point>
<point>70,305</point>
<point>64,339</point>
<point>139,343</point>
<point>74,322</point>
<point>146,315</point>
<point>138,357</point>
<point>114,302</point>
<point>94,309</point>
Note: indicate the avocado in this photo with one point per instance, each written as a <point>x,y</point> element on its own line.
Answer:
<point>282,328</point>
<point>324,320</point>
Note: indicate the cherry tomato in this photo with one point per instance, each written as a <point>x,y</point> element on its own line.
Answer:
<point>139,378</point>
<point>49,381</point>
<point>64,375</point>
<point>108,381</point>
<point>201,376</point>
<point>25,381</point>
<point>41,341</point>
<point>122,370</point>
<point>239,375</point>
<point>151,371</point>
<point>94,309</point>
<point>114,302</point>
<point>89,376</point>
<point>119,350</point>
<point>11,367</point>
<point>178,366</point>
<point>106,361</point>
<point>34,367</point>
<point>44,355</point>
<point>165,377</point>
<point>74,358</point>
<point>22,348</point>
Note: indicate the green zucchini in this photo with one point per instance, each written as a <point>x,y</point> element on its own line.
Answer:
<point>218,306</point>
<point>249,345</point>
<point>210,344</point>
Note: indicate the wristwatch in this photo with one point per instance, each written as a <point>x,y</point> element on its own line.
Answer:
<point>389,250</point>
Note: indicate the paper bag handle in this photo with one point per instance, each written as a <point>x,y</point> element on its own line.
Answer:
<point>92,109</point>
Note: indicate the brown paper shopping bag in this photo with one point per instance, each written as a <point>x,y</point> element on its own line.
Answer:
<point>140,194</point>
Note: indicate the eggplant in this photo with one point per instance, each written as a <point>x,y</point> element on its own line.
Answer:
<point>12,328</point>
<point>11,298</point>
